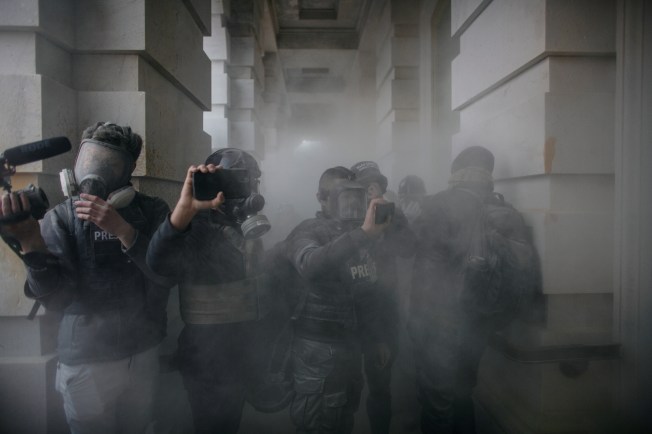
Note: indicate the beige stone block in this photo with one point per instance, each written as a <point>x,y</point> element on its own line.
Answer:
<point>201,12</point>
<point>12,300</point>
<point>176,43</point>
<point>384,100</point>
<point>556,74</point>
<point>20,338</point>
<point>29,402</point>
<point>219,83</point>
<point>241,115</point>
<point>510,35</point>
<point>584,318</point>
<point>464,11</point>
<point>516,136</point>
<point>405,11</point>
<point>585,395</point>
<point>174,136</point>
<point>503,38</point>
<point>405,94</point>
<point>111,26</point>
<point>243,135</point>
<point>564,193</point>
<point>57,20</point>
<point>576,250</point>
<point>53,61</point>
<point>579,133</point>
<point>20,113</point>
<point>554,133</point>
<point>242,93</point>
<point>59,118</point>
<point>18,51</point>
<point>217,127</point>
<point>106,72</point>
<point>405,51</point>
<point>585,26</point>
<point>217,45</point>
<point>242,51</point>
<point>20,13</point>
<point>539,398</point>
<point>383,62</point>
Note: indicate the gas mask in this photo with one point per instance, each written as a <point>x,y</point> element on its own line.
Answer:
<point>103,170</point>
<point>243,211</point>
<point>347,203</point>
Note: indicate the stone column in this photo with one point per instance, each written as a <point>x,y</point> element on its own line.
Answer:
<point>68,64</point>
<point>534,82</point>
<point>397,82</point>
<point>217,49</point>
<point>633,250</point>
<point>246,77</point>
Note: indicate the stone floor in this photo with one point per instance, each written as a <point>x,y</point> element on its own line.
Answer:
<point>174,415</point>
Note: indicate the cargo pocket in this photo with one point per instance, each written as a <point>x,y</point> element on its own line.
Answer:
<point>308,386</point>
<point>335,416</point>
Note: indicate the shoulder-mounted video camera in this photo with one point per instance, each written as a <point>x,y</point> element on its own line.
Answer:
<point>24,154</point>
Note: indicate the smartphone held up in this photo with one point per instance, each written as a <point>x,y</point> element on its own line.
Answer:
<point>234,183</point>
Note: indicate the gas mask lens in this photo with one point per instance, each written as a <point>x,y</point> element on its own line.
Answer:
<point>348,203</point>
<point>102,168</point>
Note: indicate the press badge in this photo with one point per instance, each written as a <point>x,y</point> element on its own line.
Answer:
<point>106,247</point>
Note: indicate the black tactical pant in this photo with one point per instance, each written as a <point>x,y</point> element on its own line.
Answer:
<point>379,382</point>
<point>327,382</point>
<point>447,364</point>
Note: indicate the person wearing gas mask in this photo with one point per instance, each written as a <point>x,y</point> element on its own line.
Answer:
<point>338,307</point>
<point>397,240</point>
<point>212,248</point>
<point>411,191</point>
<point>88,259</point>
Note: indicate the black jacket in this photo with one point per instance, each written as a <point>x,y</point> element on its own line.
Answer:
<point>211,251</point>
<point>339,279</point>
<point>113,305</point>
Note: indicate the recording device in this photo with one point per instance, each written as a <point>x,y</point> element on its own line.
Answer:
<point>383,212</point>
<point>24,154</point>
<point>234,183</point>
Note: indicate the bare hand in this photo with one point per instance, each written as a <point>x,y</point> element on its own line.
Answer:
<point>369,226</point>
<point>96,210</point>
<point>187,206</point>
<point>26,230</point>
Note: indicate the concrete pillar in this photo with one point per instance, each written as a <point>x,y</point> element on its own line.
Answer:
<point>633,235</point>
<point>246,77</point>
<point>397,87</point>
<point>68,64</point>
<point>217,49</point>
<point>534,82</point>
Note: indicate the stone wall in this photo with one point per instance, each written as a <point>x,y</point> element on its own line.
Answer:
<point>534,83</point>
<point>68,64</point>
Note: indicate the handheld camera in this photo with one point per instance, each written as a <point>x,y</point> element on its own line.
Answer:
<point>24,154</point>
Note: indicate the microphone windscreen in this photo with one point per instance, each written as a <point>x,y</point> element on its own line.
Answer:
<point>36,151</point>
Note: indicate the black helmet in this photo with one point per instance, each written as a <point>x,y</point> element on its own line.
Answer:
<point>244,212</point>
<point>411,185</point>
<point>233,158</point>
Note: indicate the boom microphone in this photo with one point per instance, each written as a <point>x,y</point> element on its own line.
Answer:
<point>35,151</point>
